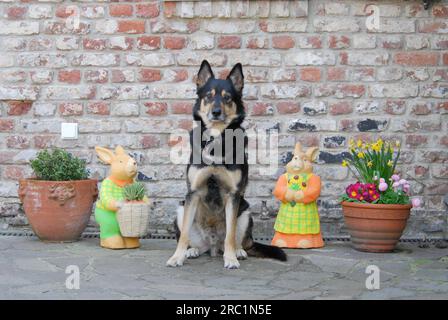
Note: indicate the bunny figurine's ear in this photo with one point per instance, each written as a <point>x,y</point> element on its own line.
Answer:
<point>298,148</point>
<point>312,153</point>
<point>119,150</point>
<point>104,154</point>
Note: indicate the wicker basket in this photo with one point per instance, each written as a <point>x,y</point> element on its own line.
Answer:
<point>133,219</point>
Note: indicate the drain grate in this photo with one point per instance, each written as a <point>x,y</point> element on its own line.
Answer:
<point>93,235</point>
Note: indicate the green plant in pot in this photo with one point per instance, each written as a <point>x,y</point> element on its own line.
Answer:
<point>58,200</point>
<point>376,208</point>
<point>133,216</point>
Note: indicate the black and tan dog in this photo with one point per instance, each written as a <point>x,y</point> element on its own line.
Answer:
<point>214,217</point>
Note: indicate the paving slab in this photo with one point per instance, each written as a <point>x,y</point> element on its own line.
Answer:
<point>32,269</point>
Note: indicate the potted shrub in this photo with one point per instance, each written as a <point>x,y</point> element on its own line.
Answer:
<point>58,200</point>
<point>376,208</point>
<point>133,215</point>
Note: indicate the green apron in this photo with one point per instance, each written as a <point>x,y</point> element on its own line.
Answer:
<point>297,218</point>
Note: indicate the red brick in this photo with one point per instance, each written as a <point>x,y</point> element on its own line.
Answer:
<point>63,12</point>
<point>392,44</point>
<point>346,125</point>
<point>100,108</point>
<point>44,142</point>
<point>131,26</point>
<point>69,76</point>
<point>185,124</point>
<point>70,109</point>
<point>147,10</point>
<point>285,107</point>
<point>118,76</point>
<point>181,108</point>
<point>442,107</point>
<point>15,172</point>
<point>336,74</point>
<point>339,108</point>
<point>414,140</point>
<point>150,141</point>
<point>440,11</point>
<point>174,43</point>
<point>445,58</point>
<point>169,8</point>
<point>6,125</point>
<point>149,75</point>
<point>433,27</point>
<point>351,90</point>
<point>416,58</point>
<point>148,43</point>
<point>259,109</point>
<point>257,43</point>
<point>338,42</point>
<point>178,75</point>
<point>19,108</point>
<point>156,108</point>
<point>120,10</point>
<point>17,142</point>
<point>94,44</point>
<point>311,42</point>
<point>229,42</point>
<point>15,12</point>
<point>444,140</point>
<point>310,74</point>
<point>283,42</point>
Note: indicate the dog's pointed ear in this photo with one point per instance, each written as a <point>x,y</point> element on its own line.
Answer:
<point>237,77</point>
<point>205,73</point>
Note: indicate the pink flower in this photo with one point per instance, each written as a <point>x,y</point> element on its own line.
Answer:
<point>395,185</point>
<point>395,177</point>
<point>403,181</point>
<point>406,187</point>
<point>382,186</point>
<point>382,180</point>
<point>375,178</point>
<point>416,202</point>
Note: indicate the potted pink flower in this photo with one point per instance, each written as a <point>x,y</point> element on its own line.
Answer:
<point>377,207</point>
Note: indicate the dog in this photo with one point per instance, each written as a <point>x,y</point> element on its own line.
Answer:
<point>215,216</point>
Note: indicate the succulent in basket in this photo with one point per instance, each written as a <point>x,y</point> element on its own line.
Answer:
<point>134,192</point>
<point>133,216</point>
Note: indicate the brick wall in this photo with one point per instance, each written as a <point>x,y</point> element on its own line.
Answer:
<point>125,74</point>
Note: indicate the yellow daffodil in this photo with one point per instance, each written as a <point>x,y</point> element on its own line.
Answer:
<point>344,163</point>
<point>359,143</point>
<point>390,163</point>
<point>397,144</point>
<point>376,147</point>
<point>380,143</point>
<point>360,155</point>
<point>370,164</point>
<point>351,143</point>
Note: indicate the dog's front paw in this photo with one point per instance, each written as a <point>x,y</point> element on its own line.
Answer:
<point>241,254</point>
<point>176,261</point>
<point>231,262</point>
<point>192,253</point>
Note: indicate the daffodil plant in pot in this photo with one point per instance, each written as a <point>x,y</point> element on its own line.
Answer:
<point>376,208</point>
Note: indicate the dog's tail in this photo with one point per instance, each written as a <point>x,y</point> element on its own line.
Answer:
<point>261,250</point>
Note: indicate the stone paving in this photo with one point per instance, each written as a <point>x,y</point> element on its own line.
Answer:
<point>31,269</point>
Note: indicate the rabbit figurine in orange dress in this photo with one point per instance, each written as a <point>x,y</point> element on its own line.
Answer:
<point>297,224</point>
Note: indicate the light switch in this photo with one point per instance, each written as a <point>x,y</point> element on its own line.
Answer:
<point>69,131</point>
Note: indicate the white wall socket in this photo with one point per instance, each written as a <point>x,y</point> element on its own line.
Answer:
<point>69,131</point>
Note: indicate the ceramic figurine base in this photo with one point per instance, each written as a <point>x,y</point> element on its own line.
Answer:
<point>297,224</point>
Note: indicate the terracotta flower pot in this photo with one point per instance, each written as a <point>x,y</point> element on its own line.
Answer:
<point>58,211</point>
<point>375,227</point>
